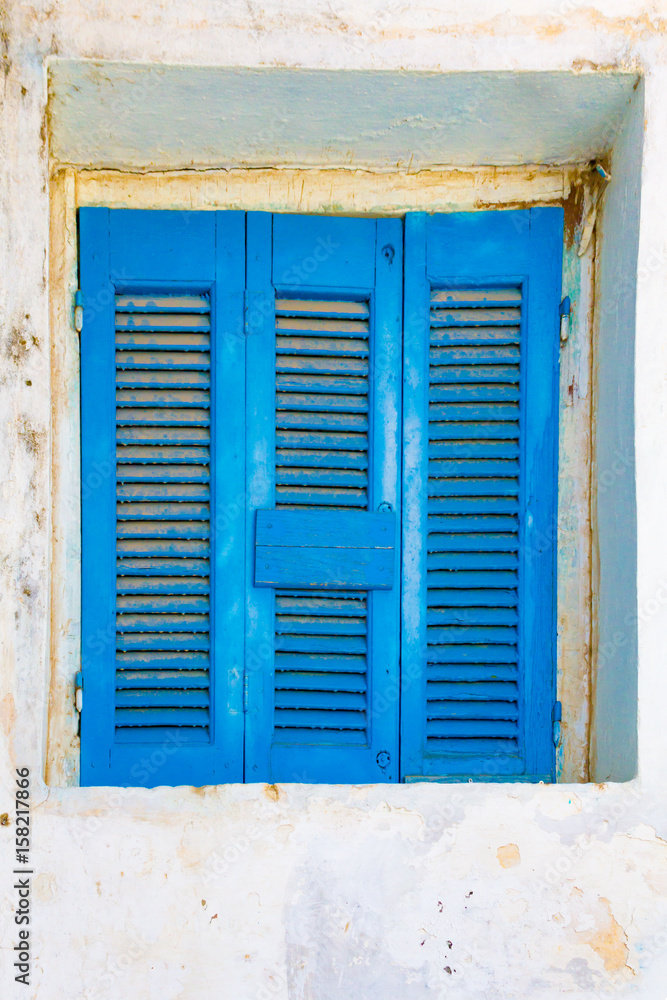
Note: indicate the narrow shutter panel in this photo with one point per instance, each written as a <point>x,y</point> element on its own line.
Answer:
<point>482,491</point>
<point>157,682</point>
<point>330,666</point>
<point>321,638</point>
<point>472,522</point>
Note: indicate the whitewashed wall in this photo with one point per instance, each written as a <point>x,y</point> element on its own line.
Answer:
<point>322,893</point>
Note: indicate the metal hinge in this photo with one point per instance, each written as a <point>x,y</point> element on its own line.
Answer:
<point>564,313</point>
<point>246,697</point>
<point>557,715</point>
<point>78,691</point>
<point>78,310</point>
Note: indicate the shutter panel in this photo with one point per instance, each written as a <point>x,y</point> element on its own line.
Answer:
<point>157,691</point>
<point>323,713</point>
<point>483,400</point>
<point>472,522</point>
<point>321,639</point>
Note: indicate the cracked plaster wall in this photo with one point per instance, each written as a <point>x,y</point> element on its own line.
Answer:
<point>324,894</point>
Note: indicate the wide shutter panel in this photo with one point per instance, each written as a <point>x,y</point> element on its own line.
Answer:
<point>314,717</point>
<point>158,677</point>
<point>479,494</point>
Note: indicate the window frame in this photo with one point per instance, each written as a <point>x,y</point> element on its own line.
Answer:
<point>62,749</point>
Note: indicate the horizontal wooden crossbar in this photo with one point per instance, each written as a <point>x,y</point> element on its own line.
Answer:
<point>336,550</point>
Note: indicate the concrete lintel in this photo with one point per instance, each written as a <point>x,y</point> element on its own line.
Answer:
<point>136,116</point>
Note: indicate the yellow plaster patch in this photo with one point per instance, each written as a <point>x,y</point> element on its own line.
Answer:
<point>607,939</point>
<point>508,855</point>
<point>8,713</point>
<point>334,191</point>
<point>44,888</point>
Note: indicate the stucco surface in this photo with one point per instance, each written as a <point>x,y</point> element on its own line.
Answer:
<point>220,116</point>
<point>322,893</point>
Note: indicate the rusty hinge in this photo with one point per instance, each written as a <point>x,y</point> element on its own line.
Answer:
<point>78,310</point>
<point>78,691</point>
<point>564,313</point>
<point>557,716</point>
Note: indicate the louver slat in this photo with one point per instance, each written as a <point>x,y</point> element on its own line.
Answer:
<point>163,454</point>
<point>322,350</point>
<point>472,695</point>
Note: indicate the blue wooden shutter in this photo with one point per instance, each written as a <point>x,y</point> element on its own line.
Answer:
<point>162,361</point>
<point>324,310</point>
<point>480,476</point>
